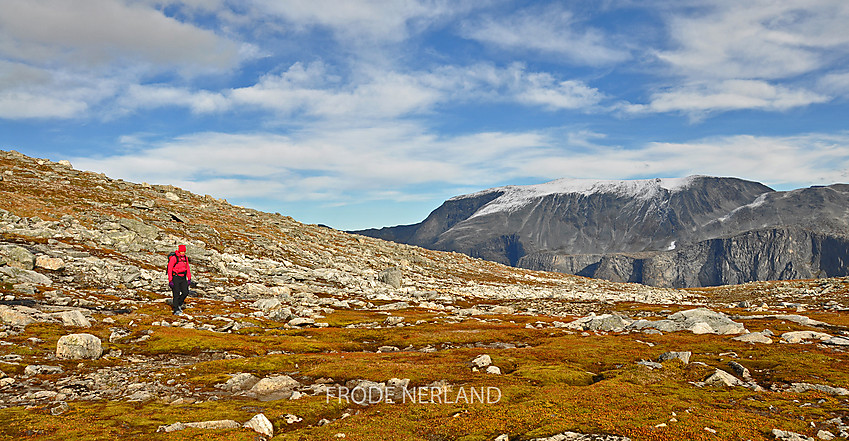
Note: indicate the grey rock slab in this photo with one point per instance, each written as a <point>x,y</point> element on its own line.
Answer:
<point>754,337</point>
<point>801,336</point>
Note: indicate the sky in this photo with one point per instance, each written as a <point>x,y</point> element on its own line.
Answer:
<point>370,113</point>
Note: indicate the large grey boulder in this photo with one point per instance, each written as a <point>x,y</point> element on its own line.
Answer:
<point>14,316</point>
<point>17,257</point>
<point>276,384</point>
<point>79,346</point>
<point>391,277</point>
<point>18,275</point>
<point>239,382</point>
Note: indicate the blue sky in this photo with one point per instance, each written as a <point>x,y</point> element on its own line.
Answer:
<point>358,113</point>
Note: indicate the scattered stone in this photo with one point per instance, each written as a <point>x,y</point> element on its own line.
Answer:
<point>573,436</point>
<point>481,361</point>
<point>683,356</point>
<point>292,419</point>
<point>801,336</point>
<point>789,436</point>
<point>805,387</point>
<point>50,263</point>
<point>754,337</point>
<point>79,346</point>
<point>825,434</point>
<point>75,318</point>
<point>495,370</point>
<point>301,321</point>
<point>740,370</point>
<point>36,369</point>
<point>722,378</point>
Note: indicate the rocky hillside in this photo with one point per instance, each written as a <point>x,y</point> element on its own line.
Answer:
<point>288,321</point>
<point>696,231</point>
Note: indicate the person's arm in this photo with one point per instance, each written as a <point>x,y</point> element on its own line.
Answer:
<point>188,271</point>
<point>170,270</point>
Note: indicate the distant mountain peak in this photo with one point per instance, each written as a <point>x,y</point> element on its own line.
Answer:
<point>516,196</point>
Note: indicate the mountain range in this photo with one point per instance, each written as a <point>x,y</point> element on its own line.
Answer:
<point>684,232</point>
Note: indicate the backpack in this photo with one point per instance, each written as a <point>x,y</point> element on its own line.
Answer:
<point>170,255</point>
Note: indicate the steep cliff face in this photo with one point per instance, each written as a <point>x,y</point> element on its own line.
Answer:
<point>695,231</point>
<point>769,254</point>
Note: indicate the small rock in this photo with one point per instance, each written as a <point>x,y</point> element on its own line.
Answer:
<point>36,369</point>
<point>722,378</point>
<point>825,434</point>
<point>495,370</point>
<point>292,419</point>
<point>481,361</point>
<point>789,436</point>
<point>683,356</point>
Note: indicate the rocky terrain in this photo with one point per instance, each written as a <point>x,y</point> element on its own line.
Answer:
<point>299,331</point>
<point>690,232</point>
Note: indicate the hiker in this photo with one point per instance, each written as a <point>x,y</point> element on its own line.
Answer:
<point>179,278</point>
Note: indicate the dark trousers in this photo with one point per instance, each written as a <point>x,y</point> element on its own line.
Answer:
<point>180,291</point>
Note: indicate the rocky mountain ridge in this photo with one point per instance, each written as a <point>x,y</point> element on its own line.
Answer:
<point>695,231</point>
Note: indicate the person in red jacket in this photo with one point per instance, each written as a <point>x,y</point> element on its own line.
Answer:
<point>179,278</point>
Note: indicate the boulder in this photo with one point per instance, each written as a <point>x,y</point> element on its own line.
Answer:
<point>239,382</point>
<point>14,317</point>
<point>260,424</point>
<point>17,257</point>
<point>391,277</point>
<point>278,384</point>
<point>79,346</point>
<point>18,275</point>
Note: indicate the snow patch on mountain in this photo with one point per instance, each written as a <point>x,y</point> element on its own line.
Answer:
<point>517,196</point>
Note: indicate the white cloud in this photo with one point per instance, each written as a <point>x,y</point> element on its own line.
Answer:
<point>96,32</point>
<point>152,96</point>
<point>698,100</point>
<point>339,165</point>
<point>360,21</point>
<point>758,39</point>
<point>550,30</point>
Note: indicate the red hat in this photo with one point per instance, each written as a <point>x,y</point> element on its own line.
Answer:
<point>181,249</point>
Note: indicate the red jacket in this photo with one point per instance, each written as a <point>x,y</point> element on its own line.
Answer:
<point>179,264</point>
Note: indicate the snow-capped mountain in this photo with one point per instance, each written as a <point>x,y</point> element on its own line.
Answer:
<point>576,226</point>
